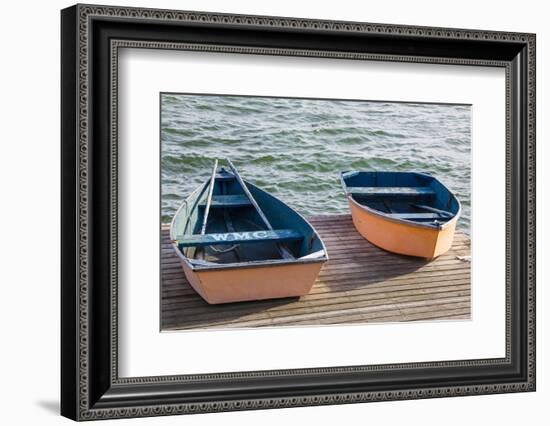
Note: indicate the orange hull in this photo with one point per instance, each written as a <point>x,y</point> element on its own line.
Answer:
<point>227,285</point>
<point>401,237</point>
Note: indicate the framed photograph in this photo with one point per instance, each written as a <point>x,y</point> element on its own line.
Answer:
<point>263,212</point>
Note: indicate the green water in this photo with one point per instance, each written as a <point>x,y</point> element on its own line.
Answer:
<point>295,148</point>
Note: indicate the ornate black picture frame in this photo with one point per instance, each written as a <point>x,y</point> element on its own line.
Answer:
<point>90,38</point>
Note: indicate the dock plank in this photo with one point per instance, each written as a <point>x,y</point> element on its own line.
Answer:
<point>360,283</point>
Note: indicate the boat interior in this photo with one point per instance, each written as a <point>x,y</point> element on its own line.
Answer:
<point>409,196</point>
<point>241,225</point>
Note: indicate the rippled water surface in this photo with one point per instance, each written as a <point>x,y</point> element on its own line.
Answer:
<point>295,148</point>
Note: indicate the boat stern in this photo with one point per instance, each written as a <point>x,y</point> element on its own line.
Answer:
<point>256,282</point>
<point>399,237</point>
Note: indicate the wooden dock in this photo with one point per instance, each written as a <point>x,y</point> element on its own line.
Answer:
<point>360,283</point>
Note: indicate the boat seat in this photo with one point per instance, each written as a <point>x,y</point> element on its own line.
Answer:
<point>224,176</point>
<point>222,201</point>
<point>384,191</point>
<point>417,216</point>
<point>260,236</point>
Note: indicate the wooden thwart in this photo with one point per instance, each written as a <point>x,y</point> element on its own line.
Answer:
<point>416,216</point>
<point>443,213</point>
<point>360,283</point>
<point>390,190</point>
<point>276,235</point>
<point>223,201</point>
<point>224,177</point>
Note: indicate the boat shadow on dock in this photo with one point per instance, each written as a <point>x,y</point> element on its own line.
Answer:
<point>360,283</point>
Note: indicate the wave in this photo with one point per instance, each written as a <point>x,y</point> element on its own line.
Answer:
<point>296,148</point>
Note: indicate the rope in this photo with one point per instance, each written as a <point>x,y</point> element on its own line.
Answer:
<point>233,247</point>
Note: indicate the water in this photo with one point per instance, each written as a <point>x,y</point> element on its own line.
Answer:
<point>295,148</point>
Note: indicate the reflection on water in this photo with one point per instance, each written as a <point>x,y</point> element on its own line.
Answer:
<point>295,148</point>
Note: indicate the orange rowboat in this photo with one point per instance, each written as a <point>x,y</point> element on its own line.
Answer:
<point>402,212</point>
<point>236,242</point>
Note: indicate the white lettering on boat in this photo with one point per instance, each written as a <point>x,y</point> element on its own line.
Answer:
<point>240,236</point>
<point>220,237</point>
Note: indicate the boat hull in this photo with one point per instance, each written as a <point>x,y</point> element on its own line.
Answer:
<point>256,282</point>
<point>401,237</point>
<point>245,271</point>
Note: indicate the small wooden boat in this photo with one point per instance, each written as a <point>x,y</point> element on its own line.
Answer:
<point>402,212</point>
<point>237,242</point>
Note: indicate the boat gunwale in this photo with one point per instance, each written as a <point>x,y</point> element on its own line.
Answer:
<point>385,216</point>
<point>205,266</point>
